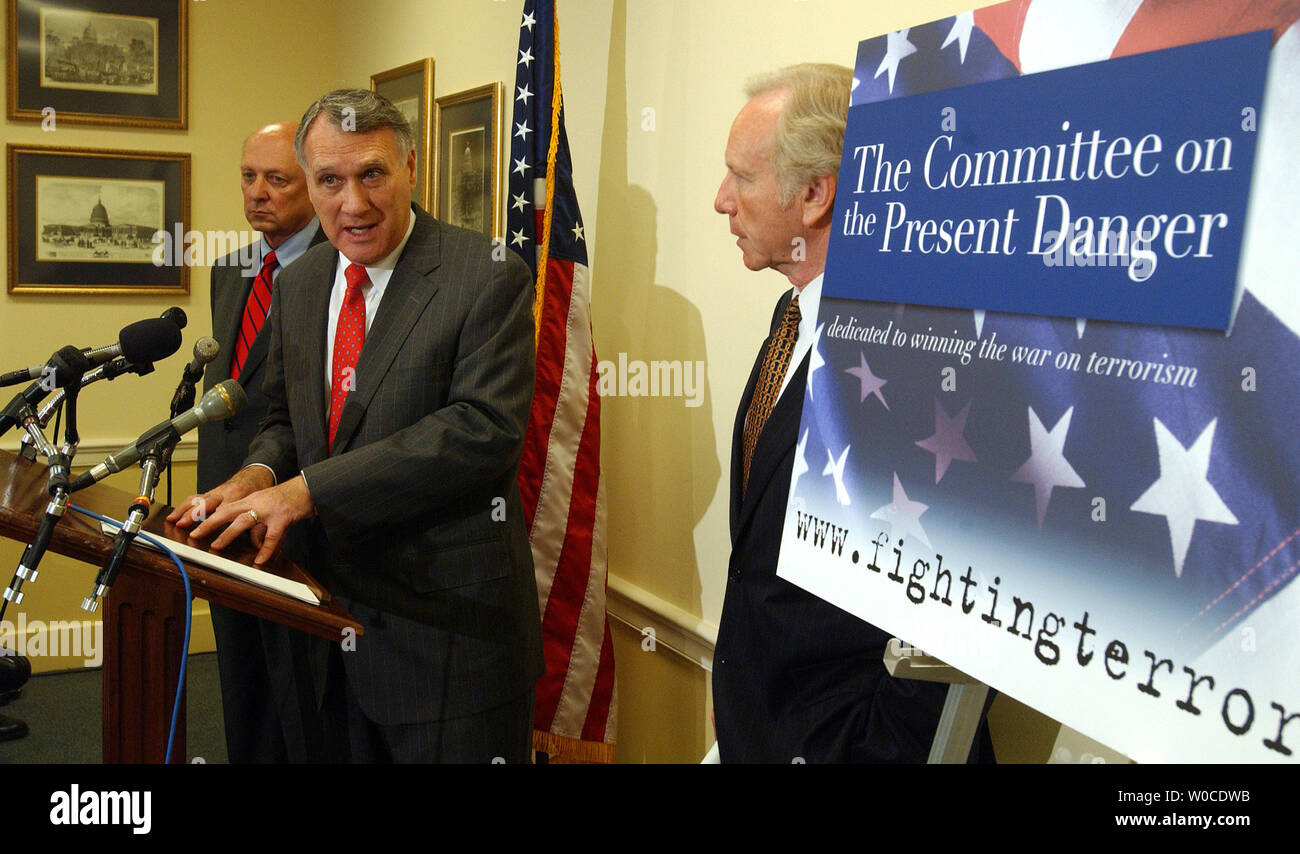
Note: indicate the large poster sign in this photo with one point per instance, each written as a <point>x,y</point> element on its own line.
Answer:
<point>1088,495</point>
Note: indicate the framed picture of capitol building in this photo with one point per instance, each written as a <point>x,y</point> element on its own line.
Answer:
<point>97,221</point>
<point>109,62</point>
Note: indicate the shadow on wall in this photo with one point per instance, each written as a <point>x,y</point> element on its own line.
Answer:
<point>659,451</point>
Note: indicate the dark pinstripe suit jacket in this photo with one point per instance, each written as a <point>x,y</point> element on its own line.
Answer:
<point>793,675</point>
<point>419,527</point>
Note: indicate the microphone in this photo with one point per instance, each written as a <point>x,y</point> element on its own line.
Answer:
<point>176,315</point>
<point>140,342</point>
<point>222,401</point>
<point>205,350</point>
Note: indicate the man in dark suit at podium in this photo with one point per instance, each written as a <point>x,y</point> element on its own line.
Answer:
<point>259,689</point>
<point>400,376</point>
<point>795,679</point>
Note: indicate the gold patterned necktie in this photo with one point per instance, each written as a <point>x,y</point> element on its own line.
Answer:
<point>776,361</point>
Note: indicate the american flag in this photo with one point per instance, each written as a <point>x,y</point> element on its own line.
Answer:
<point>1201,483</point>
<point>559,474</point>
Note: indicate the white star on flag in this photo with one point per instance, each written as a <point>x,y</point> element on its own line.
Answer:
<point>948,442</point>
<point>897,48</point>
<point>1047,467</point>
<point>904,516</point>
<point>520,166</point>
<point>522,129</point>
<point>960,33</point>
<point>835,468</point>
<point>800,462</point>
<point>526,58</point>
<point>524,94</point>
<point>577,232</point>
<point>1183,494</point>
<point>519,202</point>
<point>871,384</point>
<point>815,359</point>
<point>519,238</point>
<point>529,20</point>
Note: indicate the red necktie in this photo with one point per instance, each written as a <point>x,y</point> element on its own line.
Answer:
<point>259,303</point>
<point>349,337</point>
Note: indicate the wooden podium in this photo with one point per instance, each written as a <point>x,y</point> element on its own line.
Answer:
<point>144,612</point>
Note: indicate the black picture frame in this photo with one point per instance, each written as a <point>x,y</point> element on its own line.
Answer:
<point>132,239</point>
<point>63,70</point>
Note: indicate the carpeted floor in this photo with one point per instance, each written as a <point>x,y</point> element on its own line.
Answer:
<point>62,711</point>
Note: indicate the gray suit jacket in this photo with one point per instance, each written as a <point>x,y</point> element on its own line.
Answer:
<point>419,527</point>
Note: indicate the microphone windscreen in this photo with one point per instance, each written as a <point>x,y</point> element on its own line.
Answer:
<point>149,340</point>
<point>176,315</point>
<point>206,349</point>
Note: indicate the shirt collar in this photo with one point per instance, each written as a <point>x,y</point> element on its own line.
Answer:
<point>810,299</point>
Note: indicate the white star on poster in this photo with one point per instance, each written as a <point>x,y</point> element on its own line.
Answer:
<point>979,322</point>
<point>800,462</point>
<point>1047,467</point>
<point>1183,494</point>
<point>948,442</point>
<point>835,468</point>
<point>815,360</point>
<point>904,516</point>
<point>960,33</point>
<point>897,48</point>
<point>870,383</point>
<point>1080,324</point>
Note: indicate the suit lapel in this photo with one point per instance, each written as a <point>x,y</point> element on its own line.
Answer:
<point>408,292</point>
<point>777,440</point>
<point>230,312</point>
<point>315,320</point>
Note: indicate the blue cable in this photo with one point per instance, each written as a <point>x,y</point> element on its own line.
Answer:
<point>189,608</point>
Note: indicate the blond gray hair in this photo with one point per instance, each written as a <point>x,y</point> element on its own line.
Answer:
<point>809,136</point>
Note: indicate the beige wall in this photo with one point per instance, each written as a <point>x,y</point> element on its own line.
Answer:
<point>650,90</point>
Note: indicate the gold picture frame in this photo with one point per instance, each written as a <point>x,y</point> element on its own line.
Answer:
<point>468,157</point>
<point>410,88</point>
<point>109,62</point>
<point>131,238</point>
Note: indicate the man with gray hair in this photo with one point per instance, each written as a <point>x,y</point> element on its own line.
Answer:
<point>795,679</point>
<point>399,377</point>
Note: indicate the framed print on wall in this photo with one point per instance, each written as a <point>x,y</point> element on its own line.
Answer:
<point>107,62</point>
<point>97,221</point>
<point>469,159</point>
<point>410,88</point>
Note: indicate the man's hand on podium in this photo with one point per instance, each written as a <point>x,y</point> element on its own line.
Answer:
<point>247,502</point>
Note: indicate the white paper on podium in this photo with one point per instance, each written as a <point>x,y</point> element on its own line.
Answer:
<point>262,578</point>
